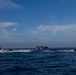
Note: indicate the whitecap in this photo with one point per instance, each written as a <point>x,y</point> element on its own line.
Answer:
<point>3,51</point>
<point>66,50</point>
<point>46,51</point>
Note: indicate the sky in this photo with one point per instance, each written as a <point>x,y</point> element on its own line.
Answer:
<point>27,23</point>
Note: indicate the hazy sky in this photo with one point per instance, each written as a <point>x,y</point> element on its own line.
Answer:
<point>27,23</point>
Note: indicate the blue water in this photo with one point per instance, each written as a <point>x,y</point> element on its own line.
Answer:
<point>38,63</point>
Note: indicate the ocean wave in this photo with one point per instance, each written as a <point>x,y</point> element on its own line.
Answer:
<point>66,50</point>
<point>4,51</point>
<point>59,50</point>
<point>47,51</point>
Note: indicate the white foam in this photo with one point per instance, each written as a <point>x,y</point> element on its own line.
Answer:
<point>59,51</point>
<point>46,51</point>
<point>66,50</point>
<point>3,51</point>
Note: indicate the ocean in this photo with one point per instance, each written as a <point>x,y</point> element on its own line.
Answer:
<point>44,62</point>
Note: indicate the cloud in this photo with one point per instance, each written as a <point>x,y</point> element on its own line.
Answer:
<point>4,26</point>
<point>9,4</point>
<point>7,24</point>
<point>53,28</point>
<point>14,29</point>
<point>4,33</point>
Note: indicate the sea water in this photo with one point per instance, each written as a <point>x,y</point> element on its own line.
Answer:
<point>31,62</point>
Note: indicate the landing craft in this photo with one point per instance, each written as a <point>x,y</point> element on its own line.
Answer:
<point>41,47</point>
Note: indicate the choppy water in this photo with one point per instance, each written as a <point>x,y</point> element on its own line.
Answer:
<point>38,63</point>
